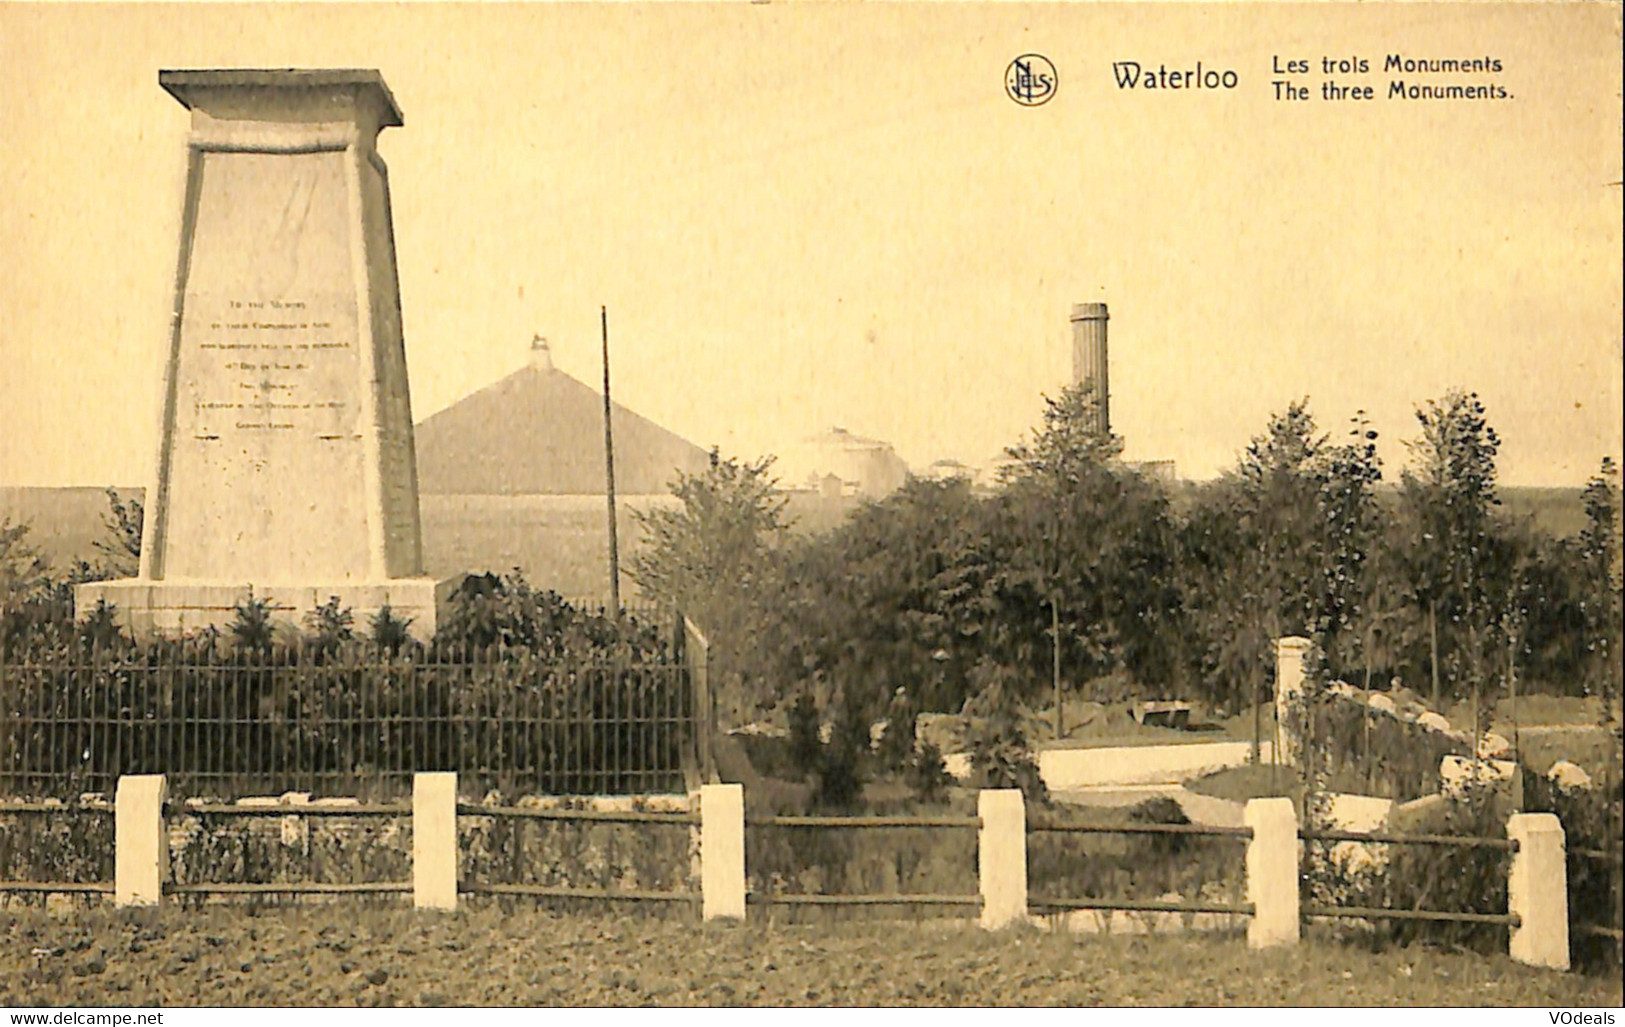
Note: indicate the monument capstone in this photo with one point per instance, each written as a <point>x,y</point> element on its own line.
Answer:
<point>286,467</point>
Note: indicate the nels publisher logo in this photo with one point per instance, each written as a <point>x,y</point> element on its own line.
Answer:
<point>1030,79</point>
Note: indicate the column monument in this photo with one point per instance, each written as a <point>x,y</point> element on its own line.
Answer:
<point>285,466</point>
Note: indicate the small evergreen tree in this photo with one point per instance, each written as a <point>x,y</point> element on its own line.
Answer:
<point>330,625</point>
<point>389,632</point>
<point>251,628</point>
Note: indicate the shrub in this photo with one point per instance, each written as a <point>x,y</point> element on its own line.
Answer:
<point>490,611</point>
<point>926,774</point>
<point>1387,756</point>
<point>805,747</point>
<point>337,715</point>
<point>99,628</point>
<point>829,860</point>
<point>1441,877</point>
<point>1000,754</point>
<point>1109,865</point>
<point>897,744</point>
<point>841,770</point>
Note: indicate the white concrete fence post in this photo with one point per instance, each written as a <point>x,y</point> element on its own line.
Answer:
<point>1291,713</point>
<point>1001,857</point>
<point>722,851</point>
<point>1272,873</point>
<point>434,841</point>
<point>1538,891</point>
<point>140,842</point>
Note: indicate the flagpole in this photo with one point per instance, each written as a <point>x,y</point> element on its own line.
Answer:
<point>609,477</point>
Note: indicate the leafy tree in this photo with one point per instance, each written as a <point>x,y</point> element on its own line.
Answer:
<point>122,547</point>
<point>1350,524</point>
<point>24,572</point>
<point>1279,481</point>
<point>841,764</point>
<point>917,589</point>
<point>716,541</point>
<point>1083,549</point>
<point>1222,597</point>
<point>1446,500</point>
<point>711,558</point>
<point>1281,545</point>
<point>894,597</point>
<point>1247,549</point>
<point>1600,552</point>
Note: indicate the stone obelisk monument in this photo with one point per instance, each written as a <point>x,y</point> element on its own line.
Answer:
<point>285,467</point>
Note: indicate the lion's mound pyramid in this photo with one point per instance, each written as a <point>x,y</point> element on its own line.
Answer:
<point>540,431</point>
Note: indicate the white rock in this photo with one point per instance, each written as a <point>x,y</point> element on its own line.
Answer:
<point>1381,702</point>
<point>761,728</point>
<point>295,831</point>
<point>1433,721</point>
<point>1347,812</point>
<point>1566,774</point>
<point>1461,773</point>
<point>1405,816</point>
<point>1494,746</point>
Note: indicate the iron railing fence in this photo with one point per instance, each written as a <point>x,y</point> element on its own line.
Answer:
<point>645,611</point>
<point>224,723</point>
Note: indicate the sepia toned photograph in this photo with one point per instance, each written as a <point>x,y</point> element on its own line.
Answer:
<point>810,505</point>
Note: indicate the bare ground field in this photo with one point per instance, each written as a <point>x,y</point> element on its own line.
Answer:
<point>337,956</point>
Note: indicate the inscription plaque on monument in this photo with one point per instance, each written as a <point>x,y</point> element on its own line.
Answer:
<point>286,465</point>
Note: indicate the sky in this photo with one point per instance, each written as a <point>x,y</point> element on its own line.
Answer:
<point>801,216</point>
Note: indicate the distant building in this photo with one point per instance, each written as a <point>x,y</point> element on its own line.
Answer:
<point>952,470</point>
<point>541,432</point>
<point>865,467</point>
<point>1160,470</point>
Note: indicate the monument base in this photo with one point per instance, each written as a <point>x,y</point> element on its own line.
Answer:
<point>147,608</point>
